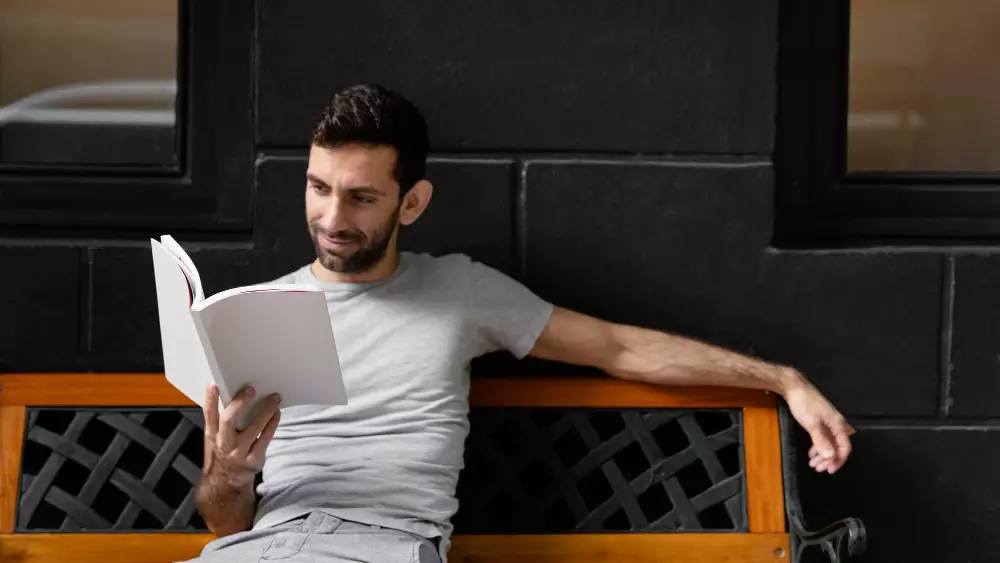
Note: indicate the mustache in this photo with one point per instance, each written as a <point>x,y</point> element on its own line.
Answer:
<point>341,234</point>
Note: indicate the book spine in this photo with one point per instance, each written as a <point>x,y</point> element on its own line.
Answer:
<point>213,364</point>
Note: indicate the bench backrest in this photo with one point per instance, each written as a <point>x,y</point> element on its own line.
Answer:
<point>524,425</point>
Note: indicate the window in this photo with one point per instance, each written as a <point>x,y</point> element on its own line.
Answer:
<point>924,86</point>
<point>125,118</point>
<point>90,82</point>
<point>888,121</point>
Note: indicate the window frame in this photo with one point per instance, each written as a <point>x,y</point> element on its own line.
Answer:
<point>210,187</point>
<point>818,201</point>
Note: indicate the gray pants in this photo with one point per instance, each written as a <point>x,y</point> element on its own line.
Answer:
<point>320,538</point>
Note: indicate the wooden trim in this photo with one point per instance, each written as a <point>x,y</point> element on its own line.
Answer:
<point>12,420</point>
<point>606,392</point>
<point>89,389</point>
<point>765,489</point>
<point>633,547</point>
<point>541,548</point>
<point>146,389</point>
<point>114,547</point>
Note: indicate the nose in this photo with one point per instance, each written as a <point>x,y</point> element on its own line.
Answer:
<point>335,216</point>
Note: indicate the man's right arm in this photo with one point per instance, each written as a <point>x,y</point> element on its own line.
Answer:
<point>225,495</point>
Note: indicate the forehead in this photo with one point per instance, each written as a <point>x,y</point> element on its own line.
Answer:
<point>353,165</point>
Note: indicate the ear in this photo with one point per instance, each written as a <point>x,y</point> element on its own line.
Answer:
<point>415,201</point>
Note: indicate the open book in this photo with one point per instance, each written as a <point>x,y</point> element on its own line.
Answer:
<point>277,338</point>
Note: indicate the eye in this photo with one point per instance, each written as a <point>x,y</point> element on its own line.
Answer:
<point>363,199</point>
<point>320,189</point>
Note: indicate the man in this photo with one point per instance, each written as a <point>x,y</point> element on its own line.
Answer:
<point>375,480</point>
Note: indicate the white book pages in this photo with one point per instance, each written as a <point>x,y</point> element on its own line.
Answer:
<point>276,338</point>
<point>187,265</point>
<point>208,302</point>
<point>278,342</point>
<point>184,360</point>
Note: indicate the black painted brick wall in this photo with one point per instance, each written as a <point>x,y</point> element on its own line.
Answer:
<point>617,158</point>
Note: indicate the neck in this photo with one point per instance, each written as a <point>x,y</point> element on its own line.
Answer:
<point>381,270</point>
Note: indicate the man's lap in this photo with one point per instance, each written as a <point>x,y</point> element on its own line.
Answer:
<point>320,538</point>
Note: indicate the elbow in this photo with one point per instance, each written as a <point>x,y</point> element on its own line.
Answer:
<point>640,355</point>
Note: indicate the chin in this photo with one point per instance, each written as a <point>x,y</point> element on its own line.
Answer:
<point>334,264</point>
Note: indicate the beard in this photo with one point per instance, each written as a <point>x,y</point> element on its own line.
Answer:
<point>369,248</point>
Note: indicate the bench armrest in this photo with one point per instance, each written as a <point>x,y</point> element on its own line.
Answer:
<point>848,534</point>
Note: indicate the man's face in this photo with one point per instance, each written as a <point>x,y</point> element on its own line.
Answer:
<point>352,205</point>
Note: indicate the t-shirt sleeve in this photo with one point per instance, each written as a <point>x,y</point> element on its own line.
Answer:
<point>507,315</point>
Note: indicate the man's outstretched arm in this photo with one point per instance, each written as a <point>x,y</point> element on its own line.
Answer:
<point>651,356</point>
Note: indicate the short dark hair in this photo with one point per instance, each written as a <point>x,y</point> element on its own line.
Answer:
<point>371,114</point>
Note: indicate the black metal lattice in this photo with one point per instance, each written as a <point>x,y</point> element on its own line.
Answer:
<point>528,470</point>
<point>91,470</point>
<point>589,470</point>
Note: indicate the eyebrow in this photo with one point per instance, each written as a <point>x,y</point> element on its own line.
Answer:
<point>356,189</point>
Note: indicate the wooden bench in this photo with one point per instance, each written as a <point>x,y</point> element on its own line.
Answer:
<point>558,470</point>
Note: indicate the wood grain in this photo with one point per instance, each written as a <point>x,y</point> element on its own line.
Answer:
<point>635,547</point>
<point>101,548</point>
<point>146,389</point>
<point>606,392</point>
<point>90,389</point>
<point>765,488</point>
<point>12,419</point>
<point>559,548</point>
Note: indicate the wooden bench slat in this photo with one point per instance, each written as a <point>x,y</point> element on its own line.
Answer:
<point>91,389</point>
<point>145,389</point>
<point>634,547</point>
<point>12,419</point>
<point>101,548</point>
<point>607,392</point>
<point>560,548</point>
<point>765,487</point>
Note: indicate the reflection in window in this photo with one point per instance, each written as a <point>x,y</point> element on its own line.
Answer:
<point>88,82</point>
<point>924,86</point>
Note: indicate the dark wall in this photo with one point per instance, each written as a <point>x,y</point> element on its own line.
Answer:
<point>617,157</point>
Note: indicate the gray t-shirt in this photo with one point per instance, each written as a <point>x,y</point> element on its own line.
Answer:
<point>391,457</point>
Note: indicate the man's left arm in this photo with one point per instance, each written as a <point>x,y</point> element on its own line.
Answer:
<point>650,356</point>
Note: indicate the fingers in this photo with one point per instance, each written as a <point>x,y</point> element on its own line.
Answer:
<point>842,439</point>
<point>259,448</point>
<point>825,457</point>
<point>229,416</point>
<point>816,461</point>
<point>264,415</point>
<point>829,432</point>
<point>821,442</point>
<point>211,410</point>
<point>837,434</point>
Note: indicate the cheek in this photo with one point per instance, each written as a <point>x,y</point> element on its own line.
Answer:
<point>315,205</point>
<point>371,219</point>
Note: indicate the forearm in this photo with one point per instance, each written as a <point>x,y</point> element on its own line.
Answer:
<point>226,509</point>
<point>657,357</point>
<point>639,354</point>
